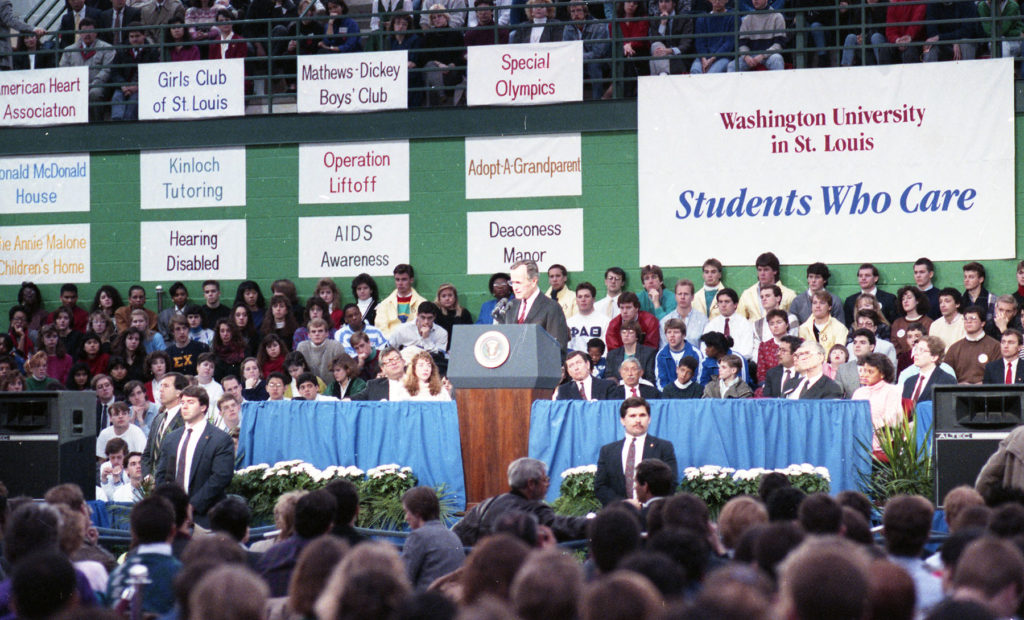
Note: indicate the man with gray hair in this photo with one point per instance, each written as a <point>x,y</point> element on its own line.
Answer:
<point>528,483</point>
<point>808,360</point>
<point>530,306</point>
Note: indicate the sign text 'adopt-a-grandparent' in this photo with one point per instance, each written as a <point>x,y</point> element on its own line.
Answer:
<point>192,250</point>
<point>527,74</point>
<point>354,172</point>
<point>353,82</point>
<point>44,183</point>
<point>45,254</point>
<point>195,178</point>
<point>519,167</point>
<point>44,96</point>
<point>866,153</point>
<point>192,89</point>
<point>346,246</point>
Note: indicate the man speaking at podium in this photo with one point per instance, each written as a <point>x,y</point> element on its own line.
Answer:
<point>530,306</point>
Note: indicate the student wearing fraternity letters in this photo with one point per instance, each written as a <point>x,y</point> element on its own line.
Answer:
<point>586,324</point>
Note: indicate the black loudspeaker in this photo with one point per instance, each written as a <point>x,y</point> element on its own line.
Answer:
<point>970,421</point>
<point>47,438</point>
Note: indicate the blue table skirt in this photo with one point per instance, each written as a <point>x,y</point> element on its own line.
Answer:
<point>420,435</point>
<point>741,434</point>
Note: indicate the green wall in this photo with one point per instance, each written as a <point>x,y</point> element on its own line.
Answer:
<point>437,203</point>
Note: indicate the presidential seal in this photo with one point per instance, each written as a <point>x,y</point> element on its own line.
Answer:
<point>491,349</point>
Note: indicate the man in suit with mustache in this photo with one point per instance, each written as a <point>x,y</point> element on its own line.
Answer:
<point>616,465</point>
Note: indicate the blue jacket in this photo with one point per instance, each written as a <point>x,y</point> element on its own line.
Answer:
<point>665,364</point>
<point>722,24</point>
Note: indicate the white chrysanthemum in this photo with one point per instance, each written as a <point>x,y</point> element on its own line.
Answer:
<point>823,472</point>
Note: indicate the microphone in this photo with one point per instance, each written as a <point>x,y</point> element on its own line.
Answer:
<point>498,314</point>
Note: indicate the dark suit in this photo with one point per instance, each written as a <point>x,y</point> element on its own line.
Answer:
<point>552,32</point>
<point>886,300</point>
<point>995,373</point>
<point>773,387</point>
<point>647,356</point>
<point>823,388</point>
<point>544,312</point>
<point>213,465</point>
<point>129,15</point>
<point>610,480</point>
<point>376,389</point>
<point>67,24</point>
<point>600,389</point>
<point>151,455</point>
<point>45,59</point>
<point>678,34</point>
<point>939,377</point>
<point>649,392</point>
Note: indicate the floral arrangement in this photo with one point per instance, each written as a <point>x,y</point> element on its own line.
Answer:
<point>576,493</point>
<point>717,485</point>
<point>380,489</point>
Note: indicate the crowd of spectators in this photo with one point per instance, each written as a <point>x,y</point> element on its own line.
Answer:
<point>777,554</point>
<point>112,37</point>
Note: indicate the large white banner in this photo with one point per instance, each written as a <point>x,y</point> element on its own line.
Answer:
<point>192,89</point>
<point>192,250</point>
<point>514,167</point>
<point>45,254</point>
<point>346,246</point>
<point>44,183</point>
<point>496,239</point>
<point>353,82</point>
<point>190,179</point>
<point>44,96</point>
<point>527,74</point>
<point>354,172</point>
<point>838,165</point>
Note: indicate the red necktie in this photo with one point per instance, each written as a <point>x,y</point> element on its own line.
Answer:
<point>918,388</point>
<point>634,392</point>
<point>1009,373</point>
<point>726,332</point>
<point>630,465</point>
<point>583,391</point>
<point>522,313</point>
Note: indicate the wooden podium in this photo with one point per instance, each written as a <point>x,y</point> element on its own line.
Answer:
<point>498,371</point>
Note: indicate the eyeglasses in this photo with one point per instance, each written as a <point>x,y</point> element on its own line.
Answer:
<point>613,278</point>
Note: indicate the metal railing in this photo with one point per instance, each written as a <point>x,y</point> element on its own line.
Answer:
<point>820,36</point>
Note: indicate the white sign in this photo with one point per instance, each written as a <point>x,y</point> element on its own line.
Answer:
<point>188,179</point>
<point>192,250</point>
<point>44,96</point>
<point>354,172</point>
<point>353,82</point>
<point>837,165</point>
<point>333,247</point>
<point>527,74</point>
<point>45,254</point>
<point>523,167</point>
<point>496,239</point>
<point>44,183</point>
<point>192,89</point>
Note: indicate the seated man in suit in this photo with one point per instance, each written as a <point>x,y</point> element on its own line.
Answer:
<point>583,386</point>
<point>199,456</point>
<point>530,306</point>
<point>631,386</point>
<point>927,355</point>
<point>393,366</point>
<point>847,375</point>
<point>616,466</point>
<point>867,280</point>
<point>814,385</point>
<point>780,380</point>
<point>1007,370</point>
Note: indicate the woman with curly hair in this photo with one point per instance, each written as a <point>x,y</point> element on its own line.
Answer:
<point>422,380</point>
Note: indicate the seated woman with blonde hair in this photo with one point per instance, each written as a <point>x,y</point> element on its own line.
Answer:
<point>422,380</point>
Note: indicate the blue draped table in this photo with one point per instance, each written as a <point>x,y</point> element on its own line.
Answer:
<point>741,434</point>
<point>420,435</point>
